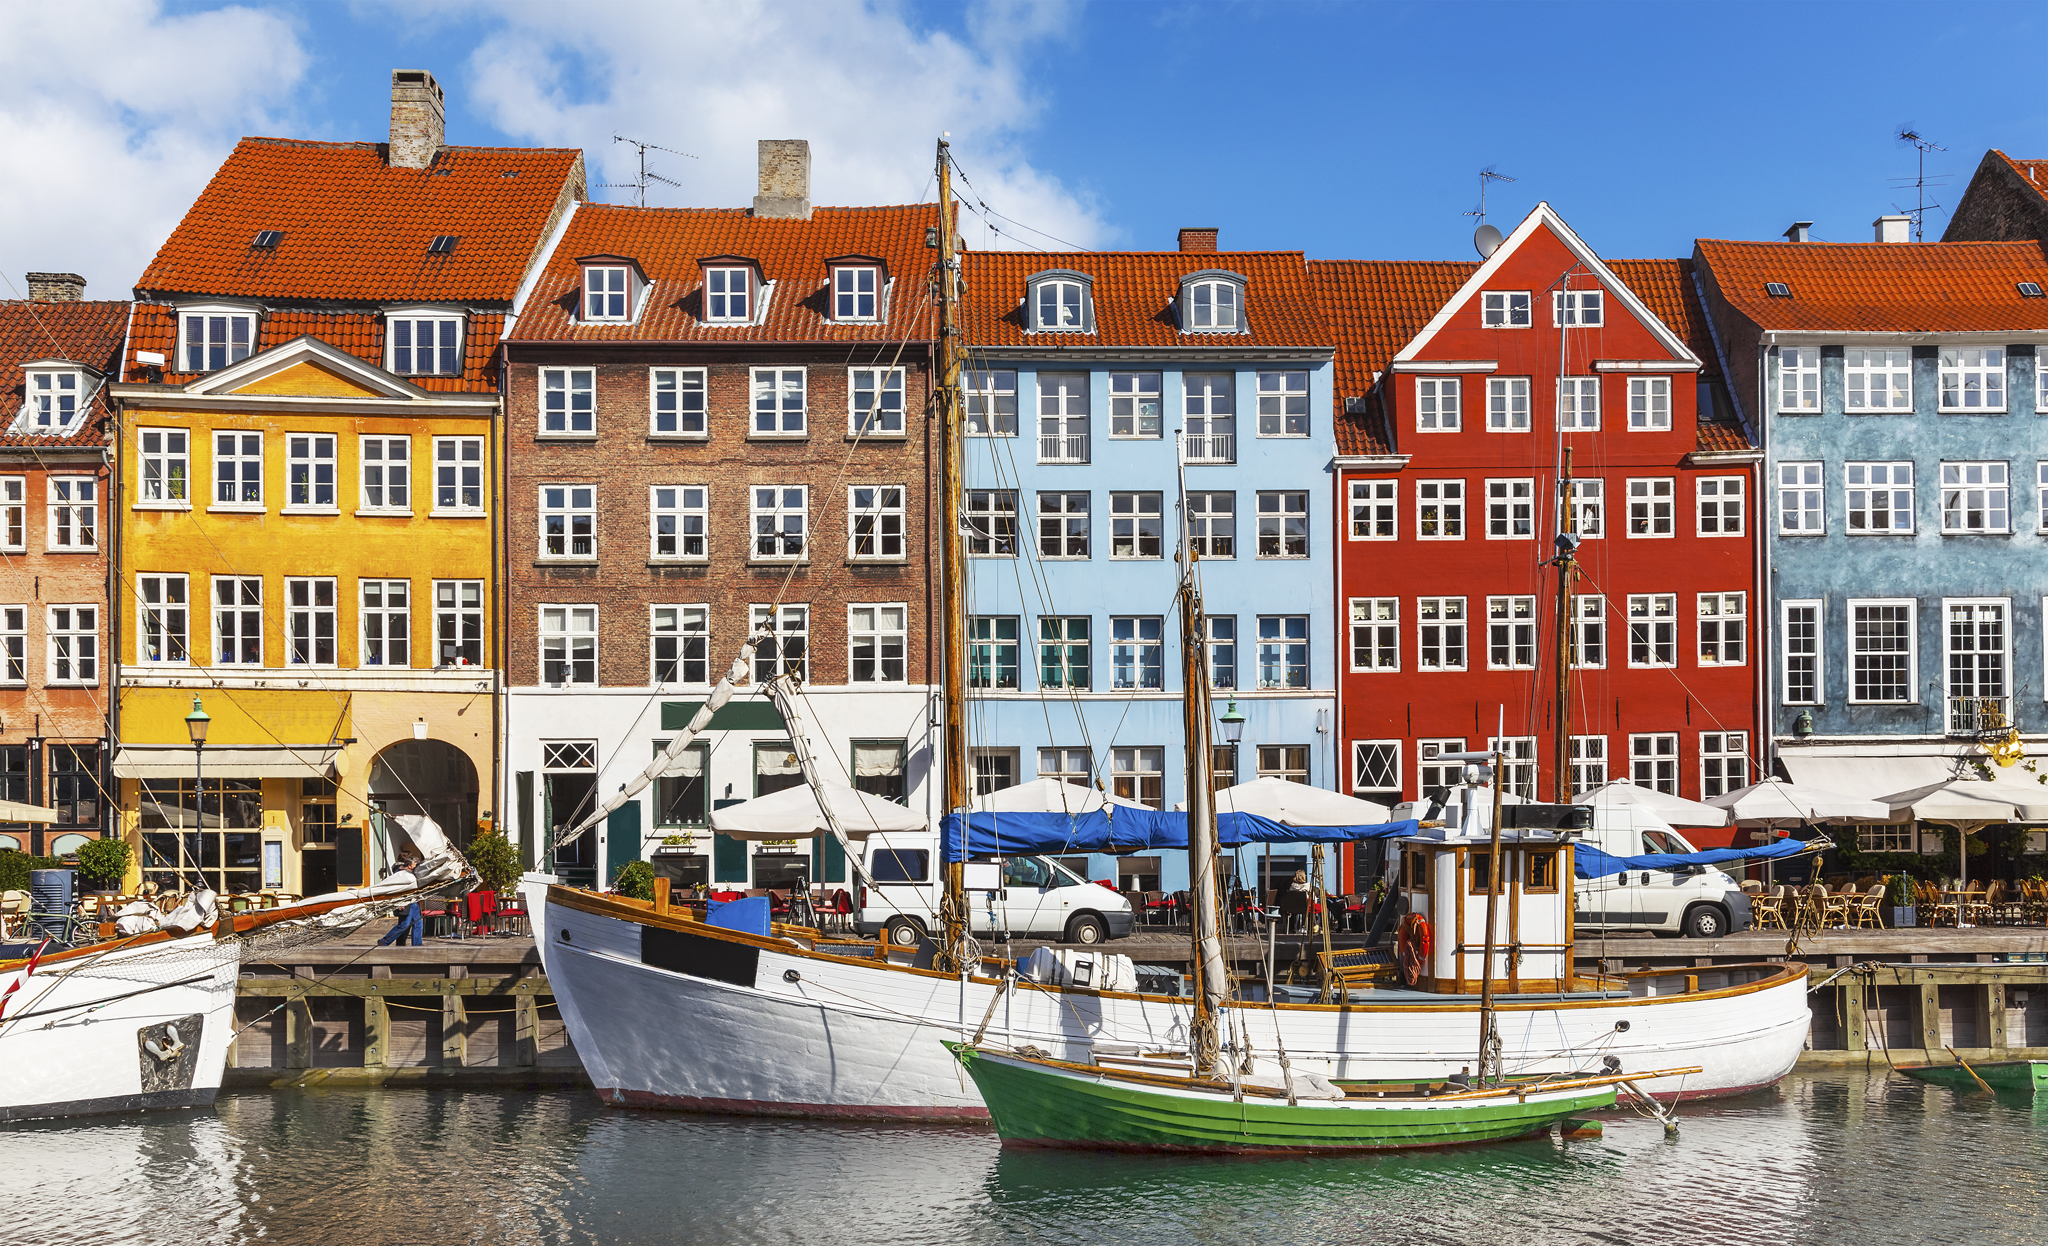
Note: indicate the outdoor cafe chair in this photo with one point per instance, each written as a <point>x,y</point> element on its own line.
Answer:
<point>1936,906</point>
<point>1867,910</point>
<point>1767,911</point>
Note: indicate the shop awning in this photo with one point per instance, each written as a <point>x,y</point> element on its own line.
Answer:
<point>15,811</point>
<point>142,761</point>
<point>1866,777</point>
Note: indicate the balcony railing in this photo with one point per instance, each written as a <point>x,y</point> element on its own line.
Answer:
<point>1979,715</point>
<point>1063,449</point>
<point>1215,448</point>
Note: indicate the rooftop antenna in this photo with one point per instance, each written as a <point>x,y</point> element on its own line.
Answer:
<point>646,175</point>
<point>1922,145</point>
<point>1486,238</point>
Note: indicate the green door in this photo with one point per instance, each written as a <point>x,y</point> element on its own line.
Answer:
<point>622,839</point>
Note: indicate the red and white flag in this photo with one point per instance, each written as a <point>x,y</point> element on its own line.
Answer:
<point>26,973</point>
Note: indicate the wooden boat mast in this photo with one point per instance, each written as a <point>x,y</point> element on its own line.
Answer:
<point>953,954</point>
<point>1211,980</point>
<point>1567,570</point>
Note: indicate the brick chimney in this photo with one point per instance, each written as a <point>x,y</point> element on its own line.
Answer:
<point>1893,228</point>
<point>1203,240</point>
<point>419,119</point>
<point>785,179</point>
<point>56,287</point>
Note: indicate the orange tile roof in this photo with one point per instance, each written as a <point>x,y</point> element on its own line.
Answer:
<point>1134,291</point>
<point>1374,308</point>
<point>356,228</point>
<point>87,333</point>
<point>2033,172</point>
<point>1667,288</point>
<point>359,333</point>
<point>1873,287</point>
<point>668,243</point>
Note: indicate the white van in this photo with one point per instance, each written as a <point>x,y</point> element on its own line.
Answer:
<point>1696,901</point>
<point>1027,895</point>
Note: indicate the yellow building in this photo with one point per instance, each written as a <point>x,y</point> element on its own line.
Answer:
<point>307,499</point>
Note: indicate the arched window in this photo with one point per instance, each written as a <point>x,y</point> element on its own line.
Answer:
<point>1212,302</point>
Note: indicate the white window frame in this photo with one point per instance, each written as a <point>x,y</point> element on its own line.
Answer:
<point>986,648</point>
<point>305,623</point>
<point>1948,651</point>
<point>1588,508</point>
<point>1056,531</point>
<point>1377,759</point>
<point>238,616</point>
<point>1289,546</point>
<point>882,510</point>
<point>1069,765</point>
<point>1721,494</point>
<point>1209,417</point>
<point>1578,309</point>
<point>1517,764</point>
<point>1578,404</point>
<point>1061,413</point>
<point>566,503</point>
<point>607,291</point>
<point>1972,380</point>
<point>686,627</point>
<point>1648,761</point>
<point>682,398</point>
<point>1504,309</point>
<point>1649,404</point>
<point>1718,612</point>
<point>1863,482</point>
<point>986,392</point>
<point>457,603</point>
<point>383,614</point>
<point>211,318</point>
<point>1137,406</point>
<point>568,403</point>
<point>1511,625</point>
<point>1057,633</point>
<point>1997,505</point>
<point>566,630</point>
<point>1376,634</point>
<point>1503,496</point>
<point>1860,376</point>
<point>678,516</point>
<point>971,515</point>
<point>1137,653</point>
<point>1653,617</point>
<point>850,302</point>
<point>147,614</point>
<point>1446,498</point>
<point>449,470</point>
<point>305,490</point>
<point>13,646</point>
<point>729,295</point>
<point>1284,646</point>
<point>1804,484</point>
<point>1127,522</point>
<point>155,482</point>
<point>1802,626</point>
<point>1137,772</point>
<point>866,414</point>
<point>1652,507</point>
<point>1060,306</point>
<point>56,400</point>
<point>1214,306</point>
<point>2041,501</point>
<point>74,514</point>
<point>778,504</point>
<point>240,457</point>
<point>71,636</point>
<point>1507,404</point>
<point>1220,643</point>
<point>1205,520</point>
<point>1284,403</point>
<point>1436,620</point>
<point>780,402</point>
<point>876,624</point>
<point>1437,404</point>
<point>403,359</point>
<point>1589,631</point>
<point>373,454</point>
<point>14,513</point>
<point>1911,606</point>
<point>1727,752</point>
<point>1375,510</point>
<point>1588,762</point>
<point>1430,768</point>
<point>1799,380</point>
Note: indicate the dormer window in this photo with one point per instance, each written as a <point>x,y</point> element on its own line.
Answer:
<point>611,288</point>
<point>55,398</point>
<point>425,344</point>
<point>856,292</point>
<point>1212,302</point>
<point>1060,301</point>
<point>729,294</point>
<point>213,339</point>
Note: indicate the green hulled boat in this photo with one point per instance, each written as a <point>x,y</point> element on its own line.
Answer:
<point>2022,1076</point>
<point>1044,1102</point>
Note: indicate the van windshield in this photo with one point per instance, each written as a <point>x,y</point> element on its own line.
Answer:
<point>1064,877</point>
<point>1664,841</point>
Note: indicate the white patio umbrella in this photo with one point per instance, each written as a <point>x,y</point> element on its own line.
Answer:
<point>1049,795</point>
<point>1676,810</point>
<point>1775,802</point>
<point>794,813</point>
<point>1298,804</point>
<point>1969,805</point>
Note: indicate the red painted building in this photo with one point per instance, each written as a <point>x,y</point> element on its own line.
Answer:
<point>1464,385</point>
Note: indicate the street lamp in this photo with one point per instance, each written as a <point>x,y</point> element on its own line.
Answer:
<point>196,724</point>
<point>1233,724</point>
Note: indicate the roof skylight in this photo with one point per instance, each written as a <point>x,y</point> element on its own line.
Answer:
<point>443,244</point>
<point>1777,289</point>
<point>267,239</point>
<point>2029,289</point>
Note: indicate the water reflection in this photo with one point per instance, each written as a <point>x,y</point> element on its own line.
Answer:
<point>1838,1157</point>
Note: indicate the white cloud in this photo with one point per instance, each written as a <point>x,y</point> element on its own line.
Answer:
<point>865,84</point>
<point>116,114</point>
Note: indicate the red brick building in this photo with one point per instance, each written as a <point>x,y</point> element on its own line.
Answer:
<point>1462,386</point>
<point>57,352</point>
<point>717,417</point>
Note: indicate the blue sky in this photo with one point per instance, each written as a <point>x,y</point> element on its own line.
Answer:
<point>1353,130</point>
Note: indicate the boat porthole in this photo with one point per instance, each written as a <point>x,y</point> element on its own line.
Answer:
<point>1620,1027</point>
<point>565,939</point>
<point>791,975</point>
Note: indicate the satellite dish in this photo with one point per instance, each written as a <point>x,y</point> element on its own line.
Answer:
<point>1487,240</point>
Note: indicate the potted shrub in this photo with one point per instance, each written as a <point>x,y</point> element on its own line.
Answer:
<point>104,863</point>
<point>496,862</point>
<point>636,880</point>
<point>1899,890</point>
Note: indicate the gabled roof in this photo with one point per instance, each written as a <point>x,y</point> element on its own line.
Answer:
<point>88,333</point>
<point>1134,293</point>
<point>2033,172</point>
<point>1880,287</point>
<point>1374,308</point>
<point>356,228</point>
<point>359,333</point>
<point>671,243</point>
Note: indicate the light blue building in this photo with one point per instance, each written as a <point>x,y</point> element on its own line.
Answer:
<point>1906,444</point>
<point>1106,391</point>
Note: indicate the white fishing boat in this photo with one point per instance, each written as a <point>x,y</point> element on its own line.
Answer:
<point>145,1021</point>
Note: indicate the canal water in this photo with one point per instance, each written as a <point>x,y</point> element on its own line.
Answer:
<point>1848,1157</point>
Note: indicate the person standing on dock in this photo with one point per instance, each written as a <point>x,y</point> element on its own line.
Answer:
<point>411,920</point>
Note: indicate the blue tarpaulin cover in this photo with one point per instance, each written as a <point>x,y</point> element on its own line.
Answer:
<point>1590,862</point>
<point>1131,830</point>
<point>748,916</point>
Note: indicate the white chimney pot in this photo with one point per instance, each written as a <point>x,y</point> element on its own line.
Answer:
<point>1893,228</point>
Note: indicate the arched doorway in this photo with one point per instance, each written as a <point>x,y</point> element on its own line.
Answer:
<point>431,777</point>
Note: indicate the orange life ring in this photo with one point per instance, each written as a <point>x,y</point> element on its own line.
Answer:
<point>1413,941</point>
